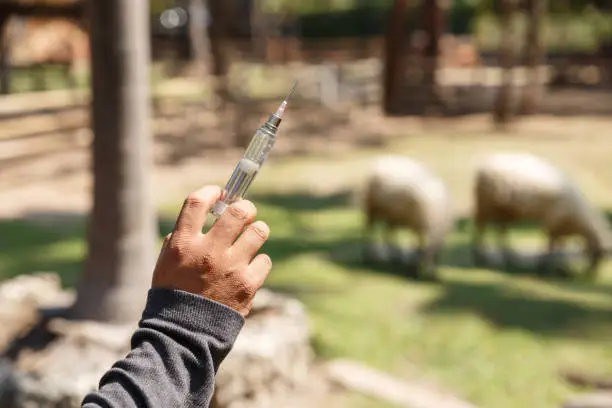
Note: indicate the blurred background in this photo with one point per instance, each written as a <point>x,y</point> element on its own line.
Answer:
<point>88,130</point>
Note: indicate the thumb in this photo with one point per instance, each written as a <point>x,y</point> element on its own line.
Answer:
<point>163,248</point>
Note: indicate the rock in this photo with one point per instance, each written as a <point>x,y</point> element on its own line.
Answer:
<point>272,358</point>
<point>270,362</point>
<point>20,301</point>
<point>595,400</point>
<point>51,378</point>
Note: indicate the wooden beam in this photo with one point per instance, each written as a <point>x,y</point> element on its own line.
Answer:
<point>365,380</point>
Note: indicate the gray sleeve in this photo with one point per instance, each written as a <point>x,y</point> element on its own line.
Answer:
<point>176,351</point>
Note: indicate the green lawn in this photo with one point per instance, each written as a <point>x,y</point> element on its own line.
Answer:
<point>495,338</point>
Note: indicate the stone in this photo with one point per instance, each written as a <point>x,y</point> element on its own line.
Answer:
<point>20,301</point>
<point>271,361</point>
<point>270,364</point>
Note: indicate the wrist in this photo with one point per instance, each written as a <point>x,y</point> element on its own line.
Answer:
<point>194,312</point>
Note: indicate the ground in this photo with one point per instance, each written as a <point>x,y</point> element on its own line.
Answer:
<point>495,338</point>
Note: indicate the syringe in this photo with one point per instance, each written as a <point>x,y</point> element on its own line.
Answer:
<point>247,168</point>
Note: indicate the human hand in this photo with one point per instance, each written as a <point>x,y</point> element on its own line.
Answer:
<point>220,265</point>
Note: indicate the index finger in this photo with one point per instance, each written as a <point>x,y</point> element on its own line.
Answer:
<point>195,209</point>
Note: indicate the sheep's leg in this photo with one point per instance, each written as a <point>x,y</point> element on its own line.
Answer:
<point>504,245</point>
<point>478,242</point>
<point>419,264</point>
<point>548,262</point>
<point>390,238</point>
<point>428,259</point>
<point>368,235</point>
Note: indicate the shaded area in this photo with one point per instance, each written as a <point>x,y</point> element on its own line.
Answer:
<point>500,303</point>
<point>302,201</point>
<point>48,241</point>
<point>55,241</point>
<point>347,248</point>
<point>511,308</point>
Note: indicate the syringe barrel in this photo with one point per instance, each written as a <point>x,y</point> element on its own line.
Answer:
<point>246,169</point>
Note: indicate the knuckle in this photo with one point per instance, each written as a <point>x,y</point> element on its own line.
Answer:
<point>179,251</point>
<point>242,210</point>
<point>194,200</point>
<point>211,191</point>
<point>247,289</point>
<point>261,229</point>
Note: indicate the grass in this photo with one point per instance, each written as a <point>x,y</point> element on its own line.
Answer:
<point>575,32</point>
<point>496,338</point>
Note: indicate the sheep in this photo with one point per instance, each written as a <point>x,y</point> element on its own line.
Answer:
<point>512,187</point>
<point>402,193</point>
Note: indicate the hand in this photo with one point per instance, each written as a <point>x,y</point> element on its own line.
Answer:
<point>220,265</point>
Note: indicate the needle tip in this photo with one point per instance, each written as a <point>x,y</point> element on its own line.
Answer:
<point>295,82</point>
<point>283,105</point>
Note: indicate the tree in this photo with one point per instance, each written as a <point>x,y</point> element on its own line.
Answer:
<point>259,29</point>
<point>503,105</point>
<point>198,33</point>
<point>434,26</point>
<point>122,225</point>
<point>5,64</point>
<point>219,11</point>
<point>394,71</point>
<point>535,51</point>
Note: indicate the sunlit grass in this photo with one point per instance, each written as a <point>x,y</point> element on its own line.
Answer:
<point>496,338</point>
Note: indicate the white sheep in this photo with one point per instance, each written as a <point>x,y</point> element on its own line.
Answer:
<point>402,193</point>
<point>513,187</point>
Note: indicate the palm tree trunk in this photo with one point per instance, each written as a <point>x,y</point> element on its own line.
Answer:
<point>503,105</point>
<point>535,55</point>
<point>122,226</point>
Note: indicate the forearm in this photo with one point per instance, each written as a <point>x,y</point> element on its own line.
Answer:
<point>176,351</point>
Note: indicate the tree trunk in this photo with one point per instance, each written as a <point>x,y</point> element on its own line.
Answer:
<point>503,105</point>
<point>218,48</point>
<point>434,26</point>
<point>5,63</point>
<point>122,228</point>
<point>535,56</point>
<point>259,32</point>
<point>394,71</point>
<point>198,33</point>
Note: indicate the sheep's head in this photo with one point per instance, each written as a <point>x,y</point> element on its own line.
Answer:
<point>600,238</point>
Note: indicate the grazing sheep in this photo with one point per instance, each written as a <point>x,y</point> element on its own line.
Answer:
<point>402,193</point>
<point>513,187</point>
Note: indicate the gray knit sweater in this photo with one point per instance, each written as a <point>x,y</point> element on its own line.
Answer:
<point>176,351</point>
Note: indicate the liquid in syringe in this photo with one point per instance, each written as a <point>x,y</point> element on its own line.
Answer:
<point>248,167</point>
